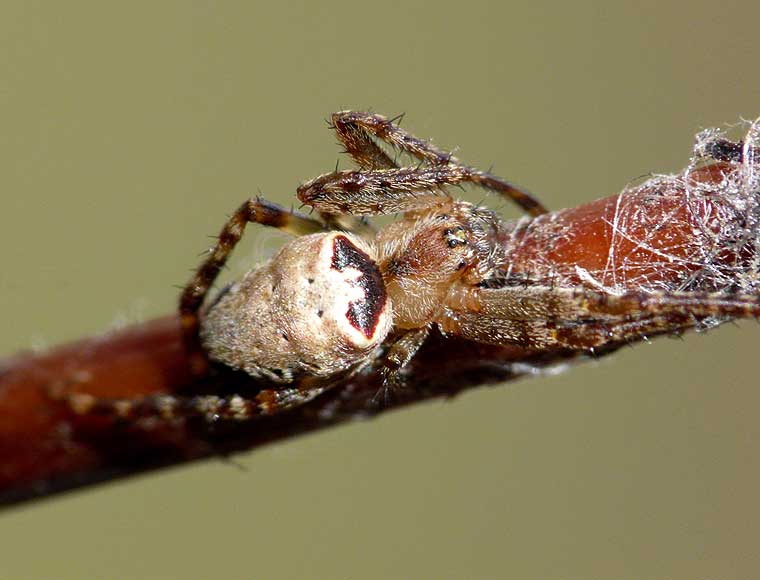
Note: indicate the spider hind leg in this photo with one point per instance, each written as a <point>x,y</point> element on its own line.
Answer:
<point>210,408</point>
<point>254,210</point>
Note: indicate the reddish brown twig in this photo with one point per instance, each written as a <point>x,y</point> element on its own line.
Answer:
<point>662,234</point>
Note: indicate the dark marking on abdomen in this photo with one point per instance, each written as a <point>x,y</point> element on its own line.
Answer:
<point>363,315</point>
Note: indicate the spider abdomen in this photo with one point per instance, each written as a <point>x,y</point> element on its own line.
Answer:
<point>317,307</point>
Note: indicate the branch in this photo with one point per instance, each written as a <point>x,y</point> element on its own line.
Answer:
<point>677,232</point>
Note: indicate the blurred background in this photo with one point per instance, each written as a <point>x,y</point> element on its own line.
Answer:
<point>129,131</point>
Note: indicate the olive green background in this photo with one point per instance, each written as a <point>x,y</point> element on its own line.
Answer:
<point>128,131</point>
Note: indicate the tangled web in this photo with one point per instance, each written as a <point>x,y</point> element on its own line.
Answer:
<point>695,231</point>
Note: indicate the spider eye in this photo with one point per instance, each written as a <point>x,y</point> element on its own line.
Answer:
<point>455,237</point>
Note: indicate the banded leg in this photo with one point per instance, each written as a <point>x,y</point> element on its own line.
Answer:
<point>582,320</point>
<point>357,139</point>
<point>191,300</point>
<point>207,407</point>
<point>383,191</point>
<point>540,303</point>
<point>369,156</point>
<point>586,336</point>
<point>397,357</point>
<point>356,131</point>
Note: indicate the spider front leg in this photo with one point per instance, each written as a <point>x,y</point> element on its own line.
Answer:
<point>191,300</point>
<point>377,192</point>
<point>546,335</point>
<point>383,191</point>
<point>542,302</point>
<point>578,319</point>
<point>368,155</point>
<point>357,131</point>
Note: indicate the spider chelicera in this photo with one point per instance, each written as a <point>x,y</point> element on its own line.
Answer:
<point>343,296</point>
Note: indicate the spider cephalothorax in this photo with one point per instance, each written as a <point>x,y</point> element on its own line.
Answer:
<point>343,296</point>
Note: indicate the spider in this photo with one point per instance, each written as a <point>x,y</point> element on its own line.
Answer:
<point>343,296</point>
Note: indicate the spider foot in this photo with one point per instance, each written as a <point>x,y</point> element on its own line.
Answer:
<point>394,388</point>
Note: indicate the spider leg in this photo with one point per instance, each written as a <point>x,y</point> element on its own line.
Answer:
<point>207,407</point>
<point>542,302</point>
<point>357,131</point>
<point>401,352</point>
<point>543,318</point>
<point>398,355</point>
<point>254,210</point>
<point>545,335</point>
<point>358,143</point>
<point>383,191</point>
<point>356,136</point>
<point>378,192</point>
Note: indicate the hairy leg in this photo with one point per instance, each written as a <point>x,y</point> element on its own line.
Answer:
<point>542,302</point>
<point>543,318</point>
<point>360,145</point>
<point>357,131</point>
<point>357,139</point>
<point>208,407</point>
<point>398,355</point>
<point>383,191</point>
<point>256,211</point>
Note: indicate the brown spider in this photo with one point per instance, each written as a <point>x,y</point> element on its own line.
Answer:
<point>343,296</point>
